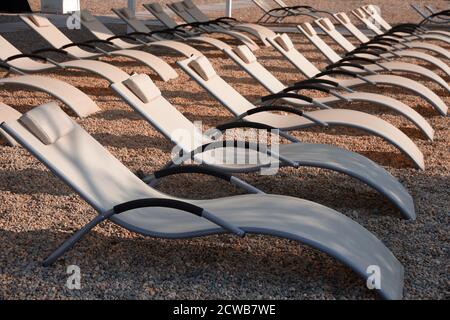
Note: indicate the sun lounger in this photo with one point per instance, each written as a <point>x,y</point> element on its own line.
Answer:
<point>343,19</point>
<point>441,35</point>
<point>142,30</point>
<point>285,46</point>
<point>258,31</point>
<point>365,18</point>
<point>249,63</point>
<point>180,10</point>
<point>402,48</point>
<point>34,62</point>
<point>58,40</point>
<point>203,73</point>
<point>381,66</point>
<point>144,97</point>
<point>121,197</point>
<point>426,15</point>
<point>278,14</point>
<point>163,116</point>
<point>73,98</point>
<point>102,33</point>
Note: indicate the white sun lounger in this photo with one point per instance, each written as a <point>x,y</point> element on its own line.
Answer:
<point>32,63</point>
<point>437,21</point>
<point>258,31</point>
<point>101,32</point>
<point>142,30</point>
<point>200,70</point>
<point>367,19</point>
<point>343,19</point>
<point>58,40</point>
<point>376,16</point>
<point>180,10</point>
<point>248,62</point>
<point>278,14</point>
<point>144,97</point>
<point>120,196</point>
<point>285,46</point>
<point>73,98</point>
<point>163,116</point>
<point>328,27</point>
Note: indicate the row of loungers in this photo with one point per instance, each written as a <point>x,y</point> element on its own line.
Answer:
<point>131,201</point>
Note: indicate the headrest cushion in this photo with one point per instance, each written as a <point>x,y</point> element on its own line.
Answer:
<point>142,87</point>
<point>342,17</point>
<point>308,29</point>
<point>245,53</point>
<point>284,41</point>
<point>326,23</point>
<point>47,122</point>
<point>203,67</point>
<point>39,21</point>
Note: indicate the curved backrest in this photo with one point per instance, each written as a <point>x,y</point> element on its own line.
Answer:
<point>217,87</point>
<point>49,32</point>
<point>181,11</point>
<point>364,18</point>
<point>100,31</point>
<point>308,31</point>
<point>256,70</point>
<point>344,19</point>
<point>373,12</point>
<point>162,115</point>
<point>194,11</point>
<point>131,20</point>
<point>75,99</point>
<point>157,10</point>
<point>54,36</point>
<point>293,55</point>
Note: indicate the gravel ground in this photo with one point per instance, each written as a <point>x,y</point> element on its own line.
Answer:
<point>37,211</point>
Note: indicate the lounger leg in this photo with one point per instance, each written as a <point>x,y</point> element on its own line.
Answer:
<point>69,243</point>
